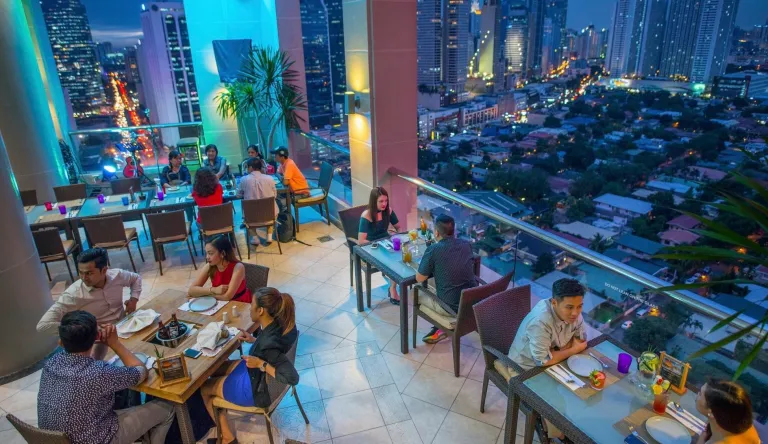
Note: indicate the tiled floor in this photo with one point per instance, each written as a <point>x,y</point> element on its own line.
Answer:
<point>356,386</point>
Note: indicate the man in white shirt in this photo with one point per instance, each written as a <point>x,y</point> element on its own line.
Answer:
<point>99,291</point>
<point>256,185</point>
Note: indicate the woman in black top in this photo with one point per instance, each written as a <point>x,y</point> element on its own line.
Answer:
<point>245,382</point>
<point>175,173</point>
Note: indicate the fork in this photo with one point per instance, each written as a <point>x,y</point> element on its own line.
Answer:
<point>637,435</point>
<point>563,374</point>
<point>599,360</point>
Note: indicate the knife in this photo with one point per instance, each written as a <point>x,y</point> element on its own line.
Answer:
<point>563,374</point>
<point>570,374</point>
<point>551,371</point>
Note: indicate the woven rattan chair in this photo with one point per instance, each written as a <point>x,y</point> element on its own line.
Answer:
<point>277,392</point>
<point>465,319</point>
<point>110,233</point>
<point>350,223</point>
<point>34,435</point>
<point>70,192</point>
<point>498,319</point>
<point>123,186</point>
<point>170,227</point>
<point>215,220</point>
<point>256,276</point>
<point>317,195</point>
<point>260,213</point>
<point>28,197</point>
<point>51,248</point>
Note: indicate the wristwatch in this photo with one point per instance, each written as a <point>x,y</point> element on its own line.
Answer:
<point>263,366</point>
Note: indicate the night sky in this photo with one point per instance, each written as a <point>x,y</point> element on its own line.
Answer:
<point>118,21</point>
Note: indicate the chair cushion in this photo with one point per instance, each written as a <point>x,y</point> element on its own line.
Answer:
<point>315,195</point>
<point>506,372</point>
<point>178,237</point>
<point>446,323</point>
<point>219,231</point>
<point>130,233</point>
<point>223,404</point>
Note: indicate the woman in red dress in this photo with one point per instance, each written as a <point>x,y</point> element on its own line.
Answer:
<point>226,273</point>
<point>207,190</point>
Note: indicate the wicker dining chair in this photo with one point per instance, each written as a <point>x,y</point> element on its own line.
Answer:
<point>123,186</point>
<point>70,192</point>
<point>35,435</point>
<point>350,223</point>
<point>170,227</point>
<point>465,319</point>
<point>256,276</point>
<point>28,197</point>
<point>498,319</point>
<point>51,248</point>
<point>110,233</point>
<point>277,392</point>
<point>215,220</point>
<point>317,195</point>
<point>260,213</point>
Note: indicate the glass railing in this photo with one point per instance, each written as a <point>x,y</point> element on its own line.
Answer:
<point>621,302</point>
<point>110,150</point>
<point>323,150</point>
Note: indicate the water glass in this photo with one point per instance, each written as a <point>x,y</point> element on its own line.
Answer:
<point>160,195</point>
<point>396,243</point>
<point>101,198</point>
<point>660,402</point>
<point>48,206</point>
<point>625,361</point>
<point>63,209</point>
<point>126,201</point>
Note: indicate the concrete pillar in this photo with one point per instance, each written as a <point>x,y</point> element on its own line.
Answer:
<point>25,110</point>
<point>25,296</point>
<point>380,47</point>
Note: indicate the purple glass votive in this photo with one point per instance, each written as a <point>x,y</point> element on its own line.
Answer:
<point>160,195</point>
<point>625,360</point>
<point>101,198</point>
<point>63,209</point>
<point>396,243</point>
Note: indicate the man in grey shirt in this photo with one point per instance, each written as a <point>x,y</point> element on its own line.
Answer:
<point>256,185</point>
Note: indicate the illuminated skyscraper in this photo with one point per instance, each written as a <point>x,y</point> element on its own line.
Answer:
<point>680,38</point>
<point>455,37</point>
<point>429,38</point>
<point>516,45</point>
<point>535,34</point>
<point>73,50</point>
<point>554,33</point>
<point>338,59</point>
<point>636,43</point>
<point>714,39</point>
<point>317,62</point>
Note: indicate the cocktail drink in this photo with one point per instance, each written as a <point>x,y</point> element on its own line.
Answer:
<point>660,402</point>
<point>414,235</point>
<point>407,255</point>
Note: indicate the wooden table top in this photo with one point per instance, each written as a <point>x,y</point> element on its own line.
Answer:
<point>201,368</point>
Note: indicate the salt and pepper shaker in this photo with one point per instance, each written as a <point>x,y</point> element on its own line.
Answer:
<point>225,318</point>
<point>234,311</point>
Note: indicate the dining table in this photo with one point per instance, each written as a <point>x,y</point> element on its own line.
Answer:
<point>39,217</point>
<point>596,419</point>
<point>166,304</point>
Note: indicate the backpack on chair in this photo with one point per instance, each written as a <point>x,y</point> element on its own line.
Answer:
<point>285,226</point>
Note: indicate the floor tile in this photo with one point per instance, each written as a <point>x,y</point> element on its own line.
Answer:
<point>278,278</point>
<point>401,369</point>
<point>295,265</point>
<point>339,322</point>
<point>20,401</point>
<point>478,369</point>
<point>434,386</point>
<point>341,278</point>
<point>11,437</point>
<point>350,304</point>
<point>338,259</point>
<point>299,286</point>
<point>391,404</point>
<point>459,429</point>
<point>441,357</point>
<point>372,330</point>
<point>307,389</point>
<point>291,424</point>
<point>320,271</point>
<point>304,361</point>
<point>308,312</point>
<point>404,433</point>
<point>386,312</point>
<point>313,341</point>
<point>427,418</point>
<point>328,294</point>
<point>376,371</point>
<point>347,353</point>
<point>418,354</point>
<point>352,413</point>
<point>467,403</point>
<point>341,378</point>
<point>373,436</point>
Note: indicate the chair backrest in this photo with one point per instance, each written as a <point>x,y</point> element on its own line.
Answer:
<point>499,317</point>
<point>48,242</point>
<point>70,192</point>
<point>277,390</point>
<point>465,321</point>
<point>326,177</point>
<point>105,231</point>
<point>123,186</point>
<point>28,197</point>
<point>35,435</point>
<point>350,220</point>
<point>259,211</point>
<point>216,217</point>
<point>171,224</point>
<point>256,276</point>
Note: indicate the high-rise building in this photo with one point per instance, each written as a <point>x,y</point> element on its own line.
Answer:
<point>102,49</point>
<point>429,36</point>
<point>621,34</point>
<point>516,44</point>
<point>680,38</point>
<point>713,39</point>
<point>73,50</point>
<point>338,59</point>
<point>593,42</point>
<point>317,62</point>
<point>490,63</point>
<point>637,38</point>
<point>652,38</point>
<point>535,34</point>
<point>555,32</point>
<point>165,64</point>
<point>603,42</point>
<point>455,37</point>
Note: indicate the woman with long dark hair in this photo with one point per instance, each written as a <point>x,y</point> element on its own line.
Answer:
<point>226,273</point>
<point>175,173</point>
<point>729,410</point>
<point>215,162</point>
<point>374,225</point>
<point>244,381</point>
<point>207,190</point>
<point>253,153</point>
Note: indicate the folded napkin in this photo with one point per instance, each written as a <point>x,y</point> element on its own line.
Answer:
<point>686,418</point>
<point>559,373</point>
<point>209,340</point>
<point>136,322</point>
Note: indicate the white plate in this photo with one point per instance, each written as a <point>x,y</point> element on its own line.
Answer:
<point>204,303</point>
<point>583,365</point>
<point>667,431</point>
<point>141,357</point>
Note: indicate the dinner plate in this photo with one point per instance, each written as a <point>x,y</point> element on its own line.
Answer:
<point>141,357</point>
<point>667,431</point>
<point>583,365</point>
<point>202,304</point>
<point>171,189</point>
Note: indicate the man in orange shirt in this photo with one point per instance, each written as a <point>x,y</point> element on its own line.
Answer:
<point>292,177</point>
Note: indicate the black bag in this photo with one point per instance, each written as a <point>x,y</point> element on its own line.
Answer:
<point>285,226</point>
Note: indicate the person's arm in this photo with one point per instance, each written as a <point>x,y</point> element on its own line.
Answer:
<point>238,274</point>
<point>133,371</point>
<point>426,266</point>
<point>184,175</point>
<point>539,342</point>
<point>278,366</point>
<point>222,168</point>
<point>132,280</point>
<point>362,231</point>
<point>197,289</point>
<point>67,302</point>
<point>394,221</point>
<point>164,177</point>
<point>241,187</point>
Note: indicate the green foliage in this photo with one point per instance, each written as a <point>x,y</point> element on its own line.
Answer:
<point>544,264</point>
<point>648,229</point>
<point>580,209</point>
<point>552,122</point>
<point>531,185</point>
<point>649,332</point>
<point>598,243</point>
<point>589,184</point>
<point>579,156</point>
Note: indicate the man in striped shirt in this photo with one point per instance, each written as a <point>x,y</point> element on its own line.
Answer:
<point>450,261</point>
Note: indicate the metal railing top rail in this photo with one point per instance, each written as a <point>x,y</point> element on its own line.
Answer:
<point>133,128</point>
<point>687,298</point>
<point>325,142</point>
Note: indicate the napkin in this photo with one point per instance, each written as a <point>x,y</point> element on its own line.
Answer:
<point>209,337</point>
<point>684,419</point>
<point>559,373</point>
<point>136,322</point>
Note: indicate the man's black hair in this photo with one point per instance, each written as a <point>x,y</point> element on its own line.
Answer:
<point>445,225</point>
<point>564,288</point>
<point>254,163</point>
<point>78,331</point>
<point>97,255</point>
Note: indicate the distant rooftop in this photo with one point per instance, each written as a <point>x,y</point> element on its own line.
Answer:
<point>585,231</point>
<point>625,203</point>
<point>640,244</point>
<point>738,303</point>
<point>498,201</point>
<point>679,236</point>
<point>668,186</point>
<point>684,222</point>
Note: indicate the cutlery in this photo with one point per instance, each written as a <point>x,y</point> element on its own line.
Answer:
<point>576,380</point>
<point>559,377</point>
<point>599,360</point>
<point>688,415</point>
<point>637,435</point>
<point>563,374</point>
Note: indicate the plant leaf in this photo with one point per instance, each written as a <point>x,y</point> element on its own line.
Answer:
<point>723,322</point>
<point>750,357</point>
<point>726,340</point>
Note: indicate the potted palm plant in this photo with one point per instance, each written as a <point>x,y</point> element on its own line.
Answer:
<point>266,92</point>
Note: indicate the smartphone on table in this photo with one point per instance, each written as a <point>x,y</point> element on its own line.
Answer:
<point>193,354</point>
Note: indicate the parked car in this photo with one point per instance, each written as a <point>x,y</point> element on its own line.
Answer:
<point>626,325</point>
<point>693,278</point>
<point>642,312</point>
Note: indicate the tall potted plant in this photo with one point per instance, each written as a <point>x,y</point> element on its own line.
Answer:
<point>267,92</point>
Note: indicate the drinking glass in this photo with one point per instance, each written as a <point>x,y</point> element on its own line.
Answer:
<point>625,360</point>
<point>407,254</point>
<point>660,403</point>
<point>396,243</point>
<point>48,206</point>
<point>414,235</point>
<point>126,201</point>
<point>160,195</point>
<point>101,198</point>
<point>63,209</point>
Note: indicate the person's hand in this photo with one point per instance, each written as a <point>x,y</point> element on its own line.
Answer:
<point>108,335</point>
<point>221,289</point>
<point>130,305</point>
<point>252,361</point>
<point>245,336</point>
